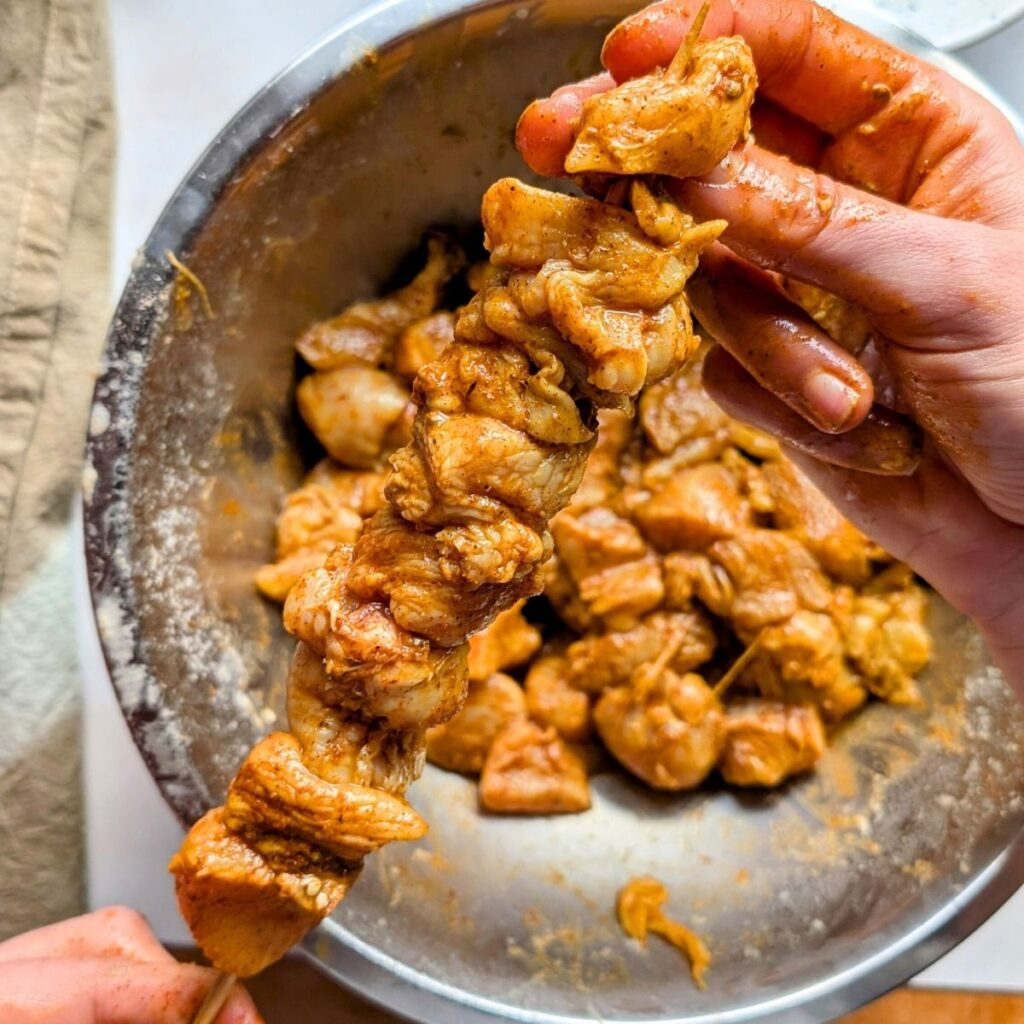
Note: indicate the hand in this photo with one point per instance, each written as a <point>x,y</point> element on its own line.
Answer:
<point>104,968</point>
<point>903,196</point>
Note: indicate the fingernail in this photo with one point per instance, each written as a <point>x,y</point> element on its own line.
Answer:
<point>830,399</point>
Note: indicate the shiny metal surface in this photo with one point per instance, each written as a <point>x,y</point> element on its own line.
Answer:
<point>813,899</point>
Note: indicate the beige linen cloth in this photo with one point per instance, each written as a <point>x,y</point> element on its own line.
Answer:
<point>56,147</point>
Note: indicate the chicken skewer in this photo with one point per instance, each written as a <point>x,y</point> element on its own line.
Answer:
<point>587,309</point>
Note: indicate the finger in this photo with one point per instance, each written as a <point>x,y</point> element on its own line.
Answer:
<point>884,444</point>
<point>778,344</point>
<point>818,66</point>
<point>913,268</point>
<point>112,931</point>
<point>935,523</point>
<point>102,990</point>
<point>899,126</point>
<point>546,129</point>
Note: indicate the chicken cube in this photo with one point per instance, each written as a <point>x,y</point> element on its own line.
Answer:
<point>508,641</point>
<point>462,743</point>
<point>313,520</point>
<point>770,576</point>
<point>888,642</point>
<point>552,701</point>
<point>613,571</point>
<point>768,742</point>
<point>357,413</point>
<point>602,480</point>
<point>693,509</point>
<point>422,342</point>
<point>360,490</point>
<point>365,332</point>
<point>530,770</point>
<point>665,728</point>
<point>677,411</point>
<point>609,659</point>
<point>807,515</point>
<point>653,125</point>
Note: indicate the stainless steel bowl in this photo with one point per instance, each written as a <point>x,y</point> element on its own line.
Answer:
<point>813,899</point>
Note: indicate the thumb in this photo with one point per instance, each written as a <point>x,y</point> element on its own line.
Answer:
<point>103,990</point>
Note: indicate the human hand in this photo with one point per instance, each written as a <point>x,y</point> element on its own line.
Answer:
<point>104,968</point>
<point>902,196</point>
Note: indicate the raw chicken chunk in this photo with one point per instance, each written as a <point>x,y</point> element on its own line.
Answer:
<point>529,770</point>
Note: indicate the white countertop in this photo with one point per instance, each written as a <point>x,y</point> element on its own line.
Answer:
<point>182,70</point>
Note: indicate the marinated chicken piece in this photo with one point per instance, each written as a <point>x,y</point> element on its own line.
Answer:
<point>481,274</point>
<point>276,796</point>
<point>656,124</point>
<point>679,572</point>
<point>461,744</point>
<point>502,552</point>
<point>471,468</point>
<point>529,770</point>
<point>366,332</point>
<point>564,598</point>
<point>807,515</point>
<point>639,912</point>
<point>240,906</point>
<point>339,746</point>
<point>805,648</point>
<point>312,514</point>
<point>753,441</point>
<point>485,379</point>
<point>552,701</point>
<point>693,509</point>
<point>609,659</point>
<point>768,742</point>
<point>665,728</point>
<point>612,571</point>
<point>602,480</point>
<point>360,490</point>
<point>275,579</point>
<point>888,643</point>
<point>801,661</point>
<point>678,412</point>
<point>311,523</point>
<point>508,641</point>
<point>398,676</point>
<point>759,577</point>
<point>396,562</point>
<point>423,342</point>
<point>356,412</point>
<point>607,287</point>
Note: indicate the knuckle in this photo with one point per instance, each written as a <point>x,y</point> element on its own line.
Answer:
<point>124,920</point>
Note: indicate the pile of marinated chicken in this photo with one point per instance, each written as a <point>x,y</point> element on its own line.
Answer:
<point>687,537</point>
<point>691,543</point>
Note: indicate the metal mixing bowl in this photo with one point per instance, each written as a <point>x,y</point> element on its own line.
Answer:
<point>813,899</point>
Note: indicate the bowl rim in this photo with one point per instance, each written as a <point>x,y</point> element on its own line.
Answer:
<point>136,324</point>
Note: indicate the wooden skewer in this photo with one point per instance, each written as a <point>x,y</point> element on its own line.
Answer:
<point>737,667</point>
<point>215,999</point>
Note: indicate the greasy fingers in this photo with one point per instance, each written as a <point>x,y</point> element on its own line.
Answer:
<point>110,932</point>
<point>782,347</point>
<point>892,261</point>
<point>819,67</point>
<point>547,127</point>
<point>884,444</point>
<point>104,990</point>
